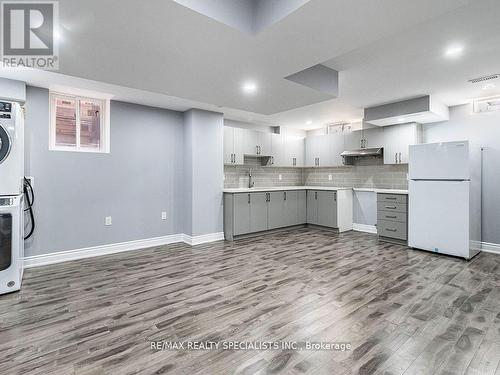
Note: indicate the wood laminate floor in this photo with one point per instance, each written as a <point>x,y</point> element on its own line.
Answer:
<point>403,311</point>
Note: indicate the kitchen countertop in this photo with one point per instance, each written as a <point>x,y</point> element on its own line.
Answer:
<point>328,188</point>
<point>386,191</point>
<point>283,188</point>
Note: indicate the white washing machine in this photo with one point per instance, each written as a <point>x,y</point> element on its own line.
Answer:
<point>11,243</point>
<point>11,149</point>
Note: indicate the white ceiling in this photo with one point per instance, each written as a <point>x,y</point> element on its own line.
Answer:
<point>161,53</point>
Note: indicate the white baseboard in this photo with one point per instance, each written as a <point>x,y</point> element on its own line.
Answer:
<point>94,251</point>
<point>490,247</point>
<point>205,238</point>
<point>364,228</point>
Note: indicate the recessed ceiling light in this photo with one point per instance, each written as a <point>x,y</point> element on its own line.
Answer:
<point>455,50</point>
<point>489,86</point>
<point>249,87</point>
<point>309,122</point>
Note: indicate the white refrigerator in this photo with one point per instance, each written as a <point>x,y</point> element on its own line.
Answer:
<point>445,198</point>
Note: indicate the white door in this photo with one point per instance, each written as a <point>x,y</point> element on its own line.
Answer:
<point>439,161</point>
<point>438,216</point>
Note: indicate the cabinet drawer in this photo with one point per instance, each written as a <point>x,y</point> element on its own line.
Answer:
<point>392,198</point>
<point>392,229</point>
<point>387,206</point>
<point>392,216</point>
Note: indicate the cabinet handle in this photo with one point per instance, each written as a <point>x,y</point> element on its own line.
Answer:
<point>390,198</point>
<point>268,197</point>
<point>400,158</point>
<point>391,207</point>
<point>284,196</point>
<point>396,156</point>
<point>248,198</point>
<point>391,230</point>
<point>272,160</point>
<point>316,195</point>
<point>335,196</point>
<point>294,161</point>
<point>390,217</point>
<point>234,158</point>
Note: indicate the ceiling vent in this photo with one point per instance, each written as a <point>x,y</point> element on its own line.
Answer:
<point>484,78</point>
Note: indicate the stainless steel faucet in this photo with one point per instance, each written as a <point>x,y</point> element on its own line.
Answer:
<point>250,182</point>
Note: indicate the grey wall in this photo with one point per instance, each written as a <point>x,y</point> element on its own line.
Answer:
<point>483,129</point>
<point>141,177</point>
<point>203,172</point>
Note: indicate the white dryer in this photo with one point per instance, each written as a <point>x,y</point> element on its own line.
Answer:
<point>11,149</point>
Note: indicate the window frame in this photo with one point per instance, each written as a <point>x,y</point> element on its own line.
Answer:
<point>104,123</point>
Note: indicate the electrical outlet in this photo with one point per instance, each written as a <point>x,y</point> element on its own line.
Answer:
<point>164,215</point>
<point>31,180</point>
<point>330,177</point>
<point>279,177</point>
<point>108,220</point>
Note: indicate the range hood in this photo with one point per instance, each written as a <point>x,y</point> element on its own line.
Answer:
<point>422,110</point>
<point>376,151</point>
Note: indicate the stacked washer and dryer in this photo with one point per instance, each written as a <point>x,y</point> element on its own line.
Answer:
<point>11,196</point>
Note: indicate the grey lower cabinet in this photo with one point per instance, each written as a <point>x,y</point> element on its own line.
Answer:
<point>392,217</point>
<point>258,212</point>
<point>255,212</point>
<point>322,208</point>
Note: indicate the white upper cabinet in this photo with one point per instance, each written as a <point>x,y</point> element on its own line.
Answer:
<point>294,151</point>
<point>278,156</point>
<point>233,145</point>
<point>265,148</point>
<point>324,150</point>
<point>397,139</point>
<point>228,145</point>
<point>367,138</point>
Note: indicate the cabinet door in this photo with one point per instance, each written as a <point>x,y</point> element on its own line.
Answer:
<point>352,140</point>
<point>312,146</point>
<point>294,150</point>
<point>301,207</point>
<point>290,212</point>
<point>327,208</point>
<point>335,147</point>
<point>264,143</point>
<point>312,207</point>
<point>408,135</point>
<point>278,151</point>
<point>276,216</point>
<point>239,136</point>
<point>241,214</point>
<point>258,212</point>
<point>373,137</point>
<point>228,145</point>
<point>391,144</point>
<point>299,152</point>
<point>250,142</point>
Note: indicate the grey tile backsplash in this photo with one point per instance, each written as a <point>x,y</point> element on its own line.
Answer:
<point>369,176</point>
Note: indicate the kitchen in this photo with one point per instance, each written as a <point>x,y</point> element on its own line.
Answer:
<point>250,187</point>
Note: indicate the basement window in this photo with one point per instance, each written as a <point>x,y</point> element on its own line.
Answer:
<point>78,123</point>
